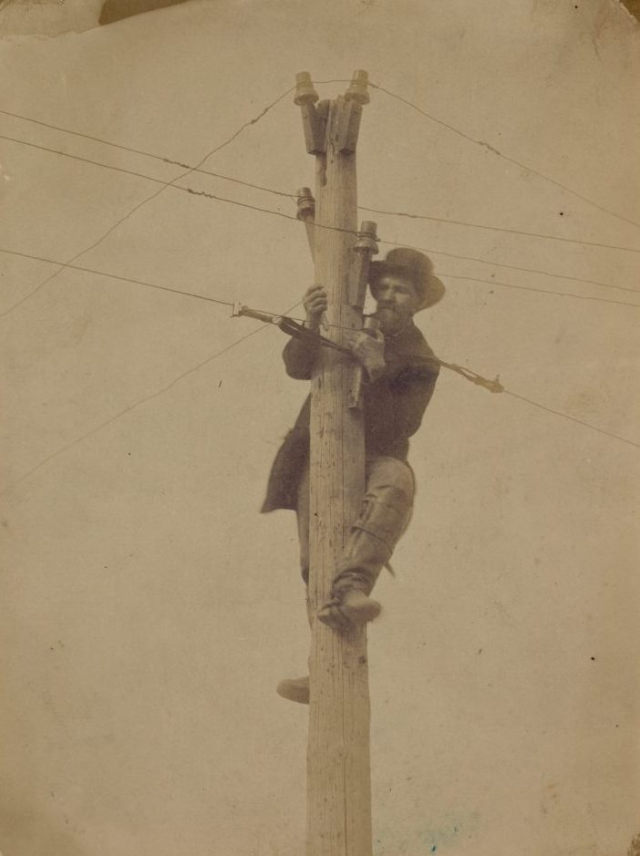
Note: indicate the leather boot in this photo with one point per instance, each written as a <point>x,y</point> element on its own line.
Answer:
<point>294,689</point>
<point>297,689</point>
<point>383,518</point>
<point>354,608</point>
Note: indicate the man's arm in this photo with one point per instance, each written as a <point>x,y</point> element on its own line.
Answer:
<point>300,355</point>
<point>415,387</point>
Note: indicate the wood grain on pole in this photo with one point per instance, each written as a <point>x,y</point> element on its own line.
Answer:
<point>338,767</point>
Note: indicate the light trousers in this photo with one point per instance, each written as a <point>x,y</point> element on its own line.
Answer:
<point>384,515</point>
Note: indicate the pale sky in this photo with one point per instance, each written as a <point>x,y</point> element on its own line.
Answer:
<point>150,610</point>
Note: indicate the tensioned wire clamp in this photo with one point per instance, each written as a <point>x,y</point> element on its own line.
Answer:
<point>288,326</point>
<point>490,385</point>
<point>293,328</point>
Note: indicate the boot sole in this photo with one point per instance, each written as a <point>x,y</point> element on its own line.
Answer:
<point>295,693</point>
<point>362,614</point>
<point>341,618</point>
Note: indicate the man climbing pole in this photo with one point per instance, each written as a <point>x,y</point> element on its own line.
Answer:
<point>401,373</point>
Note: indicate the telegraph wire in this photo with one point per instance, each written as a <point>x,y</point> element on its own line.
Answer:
<point>246,124</point>
<point>150,198</point>
<point>161,158</point>
<point>512,285</point>
<point>68,446</point>
<point>196,192</point>
<point>497,283</point>
<point>537,404</point>
<point>92,138</point>
<point>281,214</point>
<point>405,214</point>
<point>214,356</point>
<point>251,184</point>
<point>128,279</point>
<point>128,409</point>
<point>380,88</point>
<point>192,190</point>
<point>91,433</point>
<point>285,194</point>
<point>490,282</point>
<point>497,387</point>
<point>165,184</point>
<point>232,304</point>
<point>506,229</point>
<point>500,154</point>
<point>84,159</point>
<point>433,252</point>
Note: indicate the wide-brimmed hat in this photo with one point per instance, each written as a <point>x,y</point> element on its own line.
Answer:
<point>412,265</point>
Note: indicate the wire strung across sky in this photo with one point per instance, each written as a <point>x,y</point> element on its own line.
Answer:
<point>289,195</point>
<point>197,192</point>
<point>228,303</point>
<point>205,297</point>
<point>105,424</point>
<point>570,418</point>
<point>282,193</point>
<point>145,283</point>
<point>269,211</point>
<point>195,295</point>
<point>285,194</point>
<point>500,284</point>
<point>161,158</point>
<point>150,198</point>
<point>501,155</point>
<point>198,168</point>
<point>193,369</point>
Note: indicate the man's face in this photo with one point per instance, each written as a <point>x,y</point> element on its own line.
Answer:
<point>397,300</point>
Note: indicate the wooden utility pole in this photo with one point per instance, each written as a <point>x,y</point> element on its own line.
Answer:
<point>338,768</point>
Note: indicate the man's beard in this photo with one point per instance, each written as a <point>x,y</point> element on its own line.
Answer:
<point>389,318</point>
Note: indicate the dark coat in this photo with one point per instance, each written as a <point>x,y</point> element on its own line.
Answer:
<point>393,409</point>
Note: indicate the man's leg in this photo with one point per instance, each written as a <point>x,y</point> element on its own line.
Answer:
<point>302,512</point>
<point>384,516</point>
<point>297,689</point>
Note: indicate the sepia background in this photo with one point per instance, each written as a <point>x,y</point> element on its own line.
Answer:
<point>149,610</point>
